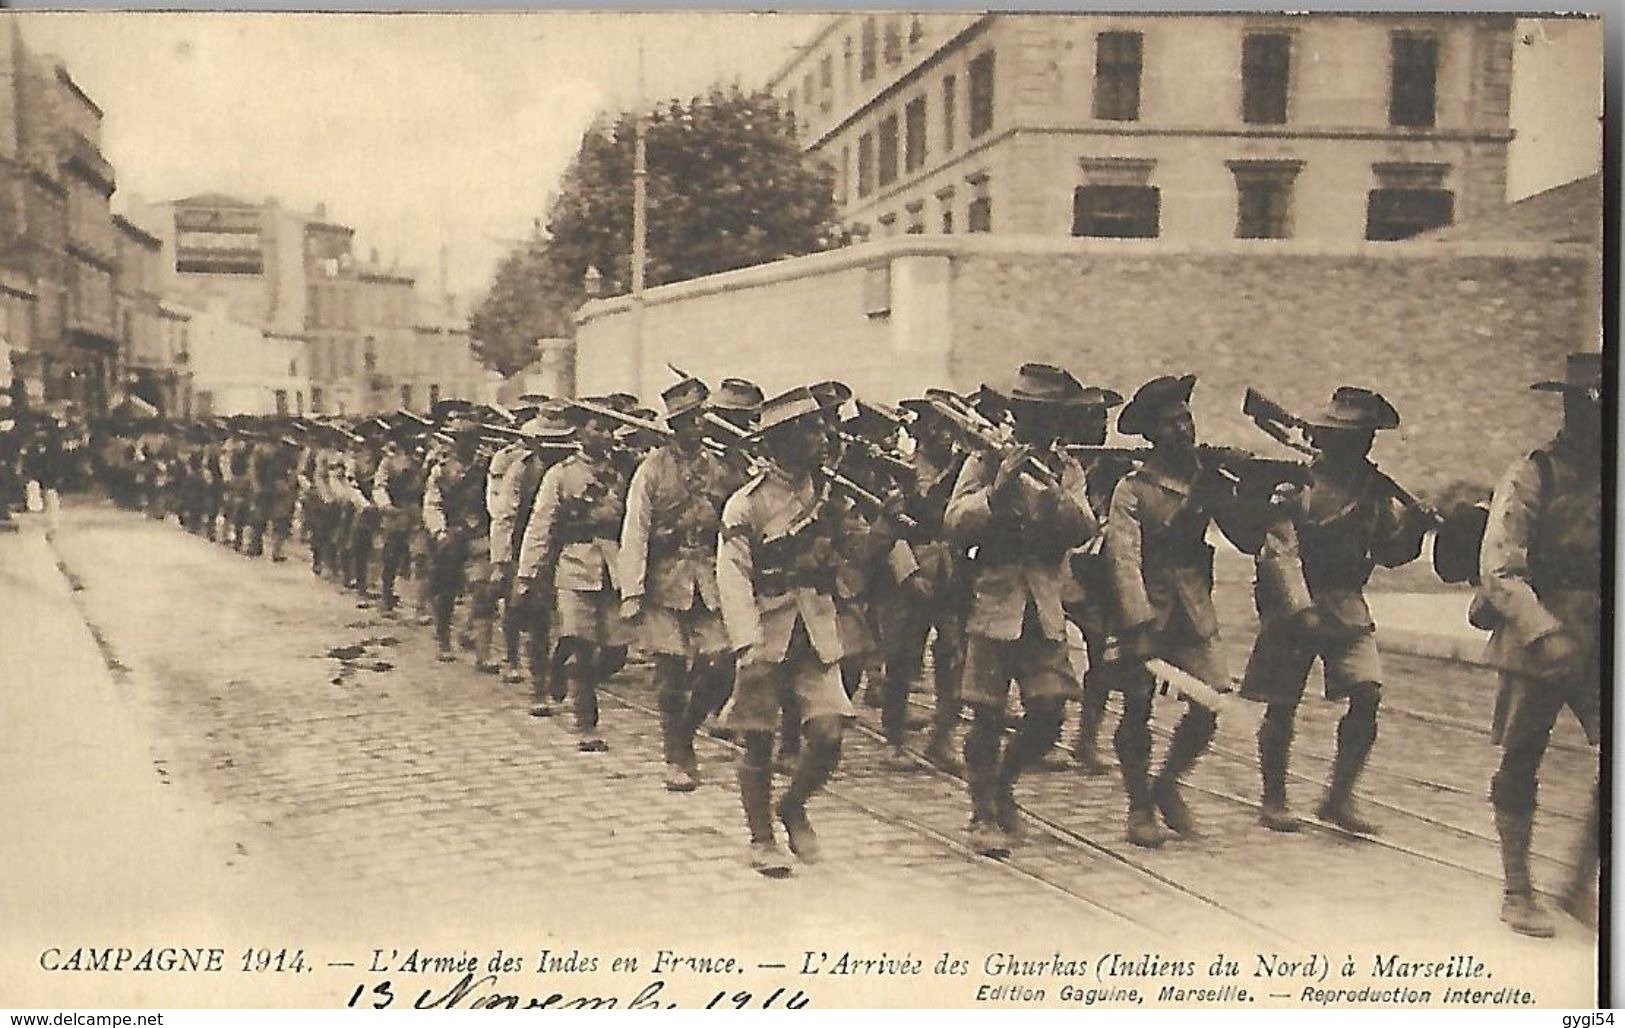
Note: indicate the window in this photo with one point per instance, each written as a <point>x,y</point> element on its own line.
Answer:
<point>914,134</point>
<point>1264,198</point>
<point>866,164</point>
<point>894,42</point>
<point>846,66</point>
<point>1117,200</point>
<point>434,393</point>
<point>1117,76</point>
<point>916,32</point>
<point>1415,76</point>
<point>979,216</point>
<point>406,397</point>
<point>845,177</point>
<point>945,201</point>
<point>1411,199</point>
<point>807,89</point>
<point>888,225</point>
<point>317,400</point>
<point>981,94</point>
<point>869,44</point>
<point>948,85</point>
<point>1265,72</point>
<point>888,150</point>
<point>826,82</point>
<point>916,218</point>
<point>281,396</point>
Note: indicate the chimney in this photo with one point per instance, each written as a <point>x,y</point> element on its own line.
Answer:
<point>372,256</point>
<point>321,211</point>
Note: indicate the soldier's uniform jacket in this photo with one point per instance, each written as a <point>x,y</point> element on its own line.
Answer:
<point>1020,549</point>
<point>355,480</point>
<point>454,499</point>
<point>1156,552</point>
<point>397,490</point>
<point>669,539</point>
<point>1320,547</point>
<point>1540,562</point>
<point>774,566</point>
<point>236,460</point>
<point>928,497</point>
<point>271,467</point>
<point>511,503</point>
<point>577,515</point>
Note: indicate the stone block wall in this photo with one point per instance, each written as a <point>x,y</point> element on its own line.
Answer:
<point>1453,338</point>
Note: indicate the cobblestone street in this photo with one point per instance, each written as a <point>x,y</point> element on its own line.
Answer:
<point>332,756</point>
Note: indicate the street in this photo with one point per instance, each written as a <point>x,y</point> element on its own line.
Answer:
<point>339,776</point>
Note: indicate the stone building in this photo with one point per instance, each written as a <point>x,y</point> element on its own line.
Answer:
<point>1144,125</point>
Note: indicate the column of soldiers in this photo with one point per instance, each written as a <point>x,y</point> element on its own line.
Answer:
<point>767,555</point>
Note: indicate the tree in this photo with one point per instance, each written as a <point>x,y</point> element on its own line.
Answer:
<point>727,186</point>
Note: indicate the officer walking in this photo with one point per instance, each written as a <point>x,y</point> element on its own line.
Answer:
<point>1540,568</point>
<point>776,584</point>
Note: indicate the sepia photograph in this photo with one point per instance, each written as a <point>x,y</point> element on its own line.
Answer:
<point>826,509</point>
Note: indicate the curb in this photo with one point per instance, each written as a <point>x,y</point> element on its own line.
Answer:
<point>1461,649</point>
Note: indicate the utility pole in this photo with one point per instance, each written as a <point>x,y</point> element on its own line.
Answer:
<point>640,226</point>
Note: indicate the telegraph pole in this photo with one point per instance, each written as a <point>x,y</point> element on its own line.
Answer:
<point>640,226</point>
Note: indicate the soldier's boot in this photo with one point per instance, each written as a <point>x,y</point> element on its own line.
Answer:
<point>939,749</point>
<point>1132,743</point>
<point>755,777</point>
<point>1519,908</point>
<point>981,773</point>
<point>894,720</point>
<point>1086,747</point>
<point>444,607</point>
<point>819,757</point>
<point>1190,741</point>
<point>673,724</point>
<point>1274,751</point>
<point>278,542</point>
<point>584,677</point>
<point>483,630</point>
<point>1356,733</point>
<point>1035,737</point>
<point>1579,899</point>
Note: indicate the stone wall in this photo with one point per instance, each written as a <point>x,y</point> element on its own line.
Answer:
<point>1452,337</point>
<point>1452,333</point>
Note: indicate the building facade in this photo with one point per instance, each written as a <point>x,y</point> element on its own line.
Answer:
<point>238,367</point>
<point>1180,127</point>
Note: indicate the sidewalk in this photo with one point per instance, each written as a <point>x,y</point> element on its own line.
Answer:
<point>99,849</point>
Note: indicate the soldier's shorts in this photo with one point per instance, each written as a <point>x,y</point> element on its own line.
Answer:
<point>761,689</point>
<point>852,628</point>
<point>593,617</point>
<point>1278,667</point>
<point>1526,708</point>
<point>1039,665</point>
<point>1181,646</point>
<point>695,632</point>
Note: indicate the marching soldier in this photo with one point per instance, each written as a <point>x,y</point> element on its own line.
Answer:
<point>934,599</point>
<point>1161,573</point>
<point>239,488</point>
<point>397,493</point>
<point>362,519</point>
<point>1321,544</point>
<point>569,548</point>
<point>668,573</point>
<point>271,469</point>
<point>1023,510</point>
<point>545,439</point>
<point>455,516</point>
<point>776,584</point>
<point>1540,567</point>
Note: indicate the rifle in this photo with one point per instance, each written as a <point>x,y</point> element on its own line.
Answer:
<point>735,439</point>
<point>1280,424</point>
<point>978,434</point>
